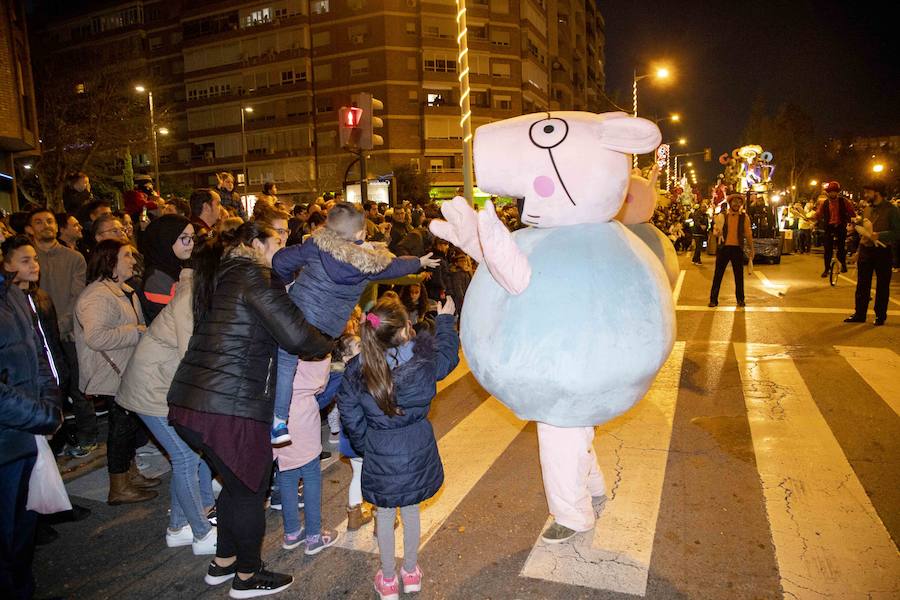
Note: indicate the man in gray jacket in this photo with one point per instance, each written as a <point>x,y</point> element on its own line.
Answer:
<point>62,277</point>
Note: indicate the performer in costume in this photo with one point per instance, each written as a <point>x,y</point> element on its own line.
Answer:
<point>523,328</point>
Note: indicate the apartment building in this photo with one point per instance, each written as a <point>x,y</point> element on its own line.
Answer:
<point>18,121</point>
<point>288,65</point>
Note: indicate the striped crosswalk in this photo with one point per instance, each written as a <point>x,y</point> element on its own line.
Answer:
<point>748,471</point>
<point>828,538</point>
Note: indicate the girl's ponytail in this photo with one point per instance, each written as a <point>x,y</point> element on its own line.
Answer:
<point>381,329</point>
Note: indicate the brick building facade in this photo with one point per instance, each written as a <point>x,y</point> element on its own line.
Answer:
<point>295,62</point>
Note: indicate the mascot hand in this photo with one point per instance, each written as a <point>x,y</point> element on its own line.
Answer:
<point>460,228</point>
<point>507,263</point>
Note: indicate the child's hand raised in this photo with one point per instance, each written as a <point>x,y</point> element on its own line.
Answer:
<point>427,262</point>
<point>447,308</point>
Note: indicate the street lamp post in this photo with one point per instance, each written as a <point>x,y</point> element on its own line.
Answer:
<point>462,41</point>
<point>141,89</point>
<point>244,109</point>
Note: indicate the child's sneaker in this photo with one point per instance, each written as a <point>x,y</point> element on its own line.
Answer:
<point>334,438</point>
<point>412,582</point>
<point>292,540</point>
<point>387,589</point>
<point>317,543</point>
<point>280,435</point>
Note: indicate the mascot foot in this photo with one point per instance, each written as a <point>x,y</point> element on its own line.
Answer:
<point>557,534</point>
<point>598,503</point>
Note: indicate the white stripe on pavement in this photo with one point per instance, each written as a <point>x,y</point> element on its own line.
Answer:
<point>853,281</point>
<point>775,309</point>
<point>879,367</point>
<point>829,541</point>
<point>467,451</point>
<point>677,291</point>
<point>632,451</point>
<point>770,287</point>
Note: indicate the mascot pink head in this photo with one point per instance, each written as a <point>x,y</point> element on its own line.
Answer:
<point>570,167</point>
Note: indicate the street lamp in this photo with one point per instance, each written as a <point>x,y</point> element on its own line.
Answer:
<point>813,182</point>
<point>244,109</point>
<point>682,141</point>
<point>141,89</point>
<point>877,168</point>
<point>674,117</point>
<point>660,73</point>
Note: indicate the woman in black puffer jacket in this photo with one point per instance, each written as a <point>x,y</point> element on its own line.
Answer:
<point>221,399</point>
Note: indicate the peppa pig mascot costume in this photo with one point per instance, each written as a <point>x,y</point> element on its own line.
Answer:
<point>635,214</point>
<point>568,321</point>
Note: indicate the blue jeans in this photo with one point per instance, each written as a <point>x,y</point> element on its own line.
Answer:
<point>288,481</point>
<point>284,383</point>
<point>17,526</point>
<point>191,486</point>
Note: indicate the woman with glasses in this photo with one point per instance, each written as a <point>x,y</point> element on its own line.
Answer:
<point>168,243</point>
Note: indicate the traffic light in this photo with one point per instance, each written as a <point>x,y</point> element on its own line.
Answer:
<point>707,155</point>
<point>368,121</point>
<point>348,125</point>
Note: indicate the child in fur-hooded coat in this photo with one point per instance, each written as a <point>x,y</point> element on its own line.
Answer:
<point>335,265</point>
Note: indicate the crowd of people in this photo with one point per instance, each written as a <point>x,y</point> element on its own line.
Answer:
<point>222,337</point>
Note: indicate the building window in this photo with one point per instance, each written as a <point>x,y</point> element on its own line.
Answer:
<point>356,4</point>
<point>156,42</point>
<point>259,17</point>
<point>411,27</point>
<point>440,62</point>
<point>413,96</point>
<point>322,72</point>
<point>359,67</point>
<point>320,7</point>
<point>500,38</point>
<point>322,38</point>
<point>287,77</point>
<point>479,32</point>
<point>324,105</point>
<point>79,88</point>
<point>435,99</point>
<point>436,165</point>
<point>500,70</point>
<point>480,100</point>
<point>503,102</point>
<point>357,33</point>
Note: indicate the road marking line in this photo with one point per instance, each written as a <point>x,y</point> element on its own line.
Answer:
<point>632,451</point>
<point>677,291</point>
<point>829,541</point>
<point>461,370</point>
<point>853,281</point>
<point>468,451</point>
<point>772,309</point>
<point>769,287</point>
<point>879,367</point>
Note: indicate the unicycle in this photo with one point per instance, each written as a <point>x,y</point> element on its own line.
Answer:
<point>834,272</point>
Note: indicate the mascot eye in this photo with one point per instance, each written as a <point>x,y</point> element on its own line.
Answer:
<point>548,133</point>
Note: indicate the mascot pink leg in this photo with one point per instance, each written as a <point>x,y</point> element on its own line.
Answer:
<point>572,478</point>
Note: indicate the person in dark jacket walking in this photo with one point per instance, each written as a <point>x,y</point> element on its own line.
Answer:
<point>384,402</point>
<point>29,406</point>
<point>699,230</point>
<point>220,401</point>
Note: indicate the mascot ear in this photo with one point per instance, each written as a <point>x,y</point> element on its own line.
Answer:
<point>628,135</point>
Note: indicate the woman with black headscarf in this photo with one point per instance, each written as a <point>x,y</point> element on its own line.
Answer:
<point>168,243</point>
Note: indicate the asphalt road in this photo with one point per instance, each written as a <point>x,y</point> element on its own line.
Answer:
<point>764,463</point>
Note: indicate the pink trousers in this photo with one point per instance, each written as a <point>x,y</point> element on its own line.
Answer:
<point>571,474</point>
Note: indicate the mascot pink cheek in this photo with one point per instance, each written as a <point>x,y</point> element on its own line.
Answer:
<point>544,186</point>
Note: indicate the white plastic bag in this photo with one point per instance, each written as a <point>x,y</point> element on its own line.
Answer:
<point>46,492</point>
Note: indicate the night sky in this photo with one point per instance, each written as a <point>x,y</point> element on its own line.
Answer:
<point>837,60</point>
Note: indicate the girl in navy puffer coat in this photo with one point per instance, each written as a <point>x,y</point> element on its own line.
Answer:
<point>384,402</point>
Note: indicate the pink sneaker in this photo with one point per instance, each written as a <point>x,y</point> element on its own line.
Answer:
<point>388,589</point>
<point>412,582</point>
